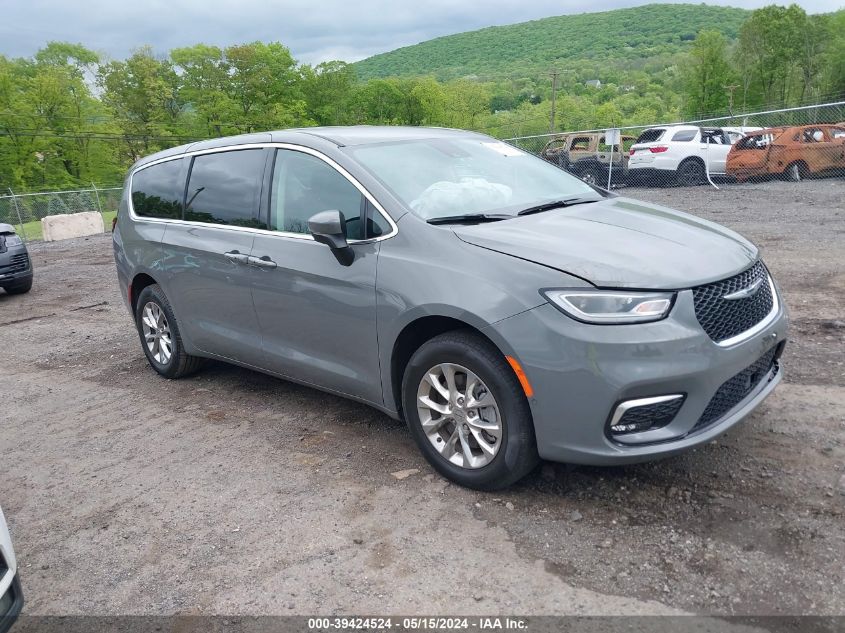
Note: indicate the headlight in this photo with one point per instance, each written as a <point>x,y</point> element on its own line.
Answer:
<point>611,306</point>
<point>13,240</point>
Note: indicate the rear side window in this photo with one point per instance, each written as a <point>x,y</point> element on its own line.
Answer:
<point>685,135</point>
<point>225,188</point>
<point>651,135</point>
<point>157,190</point>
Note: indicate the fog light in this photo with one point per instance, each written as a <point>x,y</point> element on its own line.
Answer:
<point>644,414</point>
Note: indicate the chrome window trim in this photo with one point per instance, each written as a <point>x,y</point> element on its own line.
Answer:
<point>394,229</point>
<point>762,325</point>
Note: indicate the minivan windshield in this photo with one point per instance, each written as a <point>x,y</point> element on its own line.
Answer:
<point>438,178</point>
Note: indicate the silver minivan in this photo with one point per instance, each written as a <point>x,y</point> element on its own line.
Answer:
<point>506,310</point>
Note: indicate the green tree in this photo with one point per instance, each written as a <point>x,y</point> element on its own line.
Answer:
<point>706,74</point>
<point>770,52</point>
<point>142,96</point>
<point>327,89</point>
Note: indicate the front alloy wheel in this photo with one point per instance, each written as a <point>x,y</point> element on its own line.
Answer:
<point>459,415</point>
<point>467,411</point>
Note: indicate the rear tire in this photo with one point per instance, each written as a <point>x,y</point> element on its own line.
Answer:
<point>796,172</point>
<point>691,172</point>
<point>593,176</point>
<point>159,334</point>
<point>481,376</point>
<point>19,289</point>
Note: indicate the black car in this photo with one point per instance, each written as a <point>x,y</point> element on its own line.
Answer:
<point>15,266</point>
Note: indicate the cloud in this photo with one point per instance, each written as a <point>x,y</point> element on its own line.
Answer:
<point>314,31</point>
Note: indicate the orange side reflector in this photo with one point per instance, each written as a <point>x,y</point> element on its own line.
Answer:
<point>520,374</point>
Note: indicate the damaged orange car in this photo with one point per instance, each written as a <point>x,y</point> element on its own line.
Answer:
<point>793,153</point>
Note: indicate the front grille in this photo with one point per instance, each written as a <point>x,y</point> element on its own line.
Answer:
<point>647,417</point>
<point>723,319</point>
<point>736,389</point>
<point>17,264</point>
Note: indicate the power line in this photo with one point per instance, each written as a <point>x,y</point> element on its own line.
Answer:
<point>97,136</point>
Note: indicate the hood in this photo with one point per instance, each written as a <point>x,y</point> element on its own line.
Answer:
<point>620,243</point>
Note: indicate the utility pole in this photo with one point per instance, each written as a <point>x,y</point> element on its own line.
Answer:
<point>730,90</point>
<point>555,74</point>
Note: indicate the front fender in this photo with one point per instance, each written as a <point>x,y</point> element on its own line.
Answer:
<point>428,271</point>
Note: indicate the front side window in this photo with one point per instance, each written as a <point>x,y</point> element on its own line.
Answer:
<point>812,135</point>
<point>157,190</point>
<point>716,137</point>
<point>581,143</point>
<point>441,177</point>
<point>225,188</point>
<point>627,141</point>
<point>304,185</point>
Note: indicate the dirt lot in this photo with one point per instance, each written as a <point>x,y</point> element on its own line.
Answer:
<point>233,492</point>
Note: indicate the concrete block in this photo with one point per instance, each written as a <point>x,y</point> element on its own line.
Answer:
<point>64,227</point>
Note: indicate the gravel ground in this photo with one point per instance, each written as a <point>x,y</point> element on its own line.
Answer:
<point>232,492</point>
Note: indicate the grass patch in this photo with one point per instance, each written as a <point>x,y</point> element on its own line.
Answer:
<point>32,230</point>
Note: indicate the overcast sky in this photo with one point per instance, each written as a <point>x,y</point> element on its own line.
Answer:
<point>314,30</point>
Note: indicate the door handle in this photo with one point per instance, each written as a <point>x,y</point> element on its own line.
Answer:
<point>236,257</point>
<point>261,262</point>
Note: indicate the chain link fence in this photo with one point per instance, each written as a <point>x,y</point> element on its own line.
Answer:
<point>793,144</point>
<point>25,210</point>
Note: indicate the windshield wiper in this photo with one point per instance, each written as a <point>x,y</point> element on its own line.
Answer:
<point>469,217</point>
<point>556,205</point>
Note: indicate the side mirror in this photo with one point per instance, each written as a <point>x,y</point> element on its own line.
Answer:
<point>329,228</point>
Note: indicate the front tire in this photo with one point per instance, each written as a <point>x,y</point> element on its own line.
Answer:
<point>159,334</point>
<point>467,412</point>
<point>19,289</point>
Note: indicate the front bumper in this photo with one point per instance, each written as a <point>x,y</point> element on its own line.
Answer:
<point>580,372</point>
<point>12,271</point>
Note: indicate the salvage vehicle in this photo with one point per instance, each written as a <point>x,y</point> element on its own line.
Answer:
<point>792,153</point>
<point>504,309</point>
<point>586,155</point>
<point>15,265</point>
<point>11,595</point>
<point>680,154</point>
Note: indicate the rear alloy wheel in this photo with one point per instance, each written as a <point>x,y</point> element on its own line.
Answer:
<point>157,335</point>
<point>690,173</point>
<point>160,336</point>
<point>467,412</point>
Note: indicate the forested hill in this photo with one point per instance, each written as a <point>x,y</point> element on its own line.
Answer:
<point>619,37</point>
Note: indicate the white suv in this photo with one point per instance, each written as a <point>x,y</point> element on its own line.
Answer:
<point>679,153</point>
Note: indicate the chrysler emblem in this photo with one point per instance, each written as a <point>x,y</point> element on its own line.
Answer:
<point>745,293</point>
